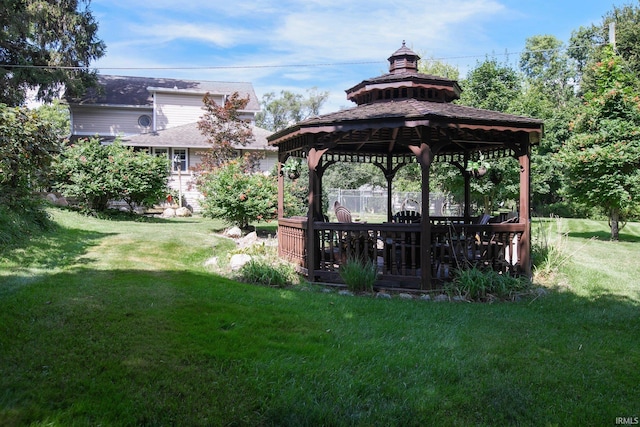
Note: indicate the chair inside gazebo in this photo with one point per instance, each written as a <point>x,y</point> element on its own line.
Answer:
<point>407,117</point>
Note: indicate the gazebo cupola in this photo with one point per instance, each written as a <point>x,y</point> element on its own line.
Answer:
<point>403,60</point>
<point>404,81</point>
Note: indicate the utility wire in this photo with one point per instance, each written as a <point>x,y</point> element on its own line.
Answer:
<point>326,64</point>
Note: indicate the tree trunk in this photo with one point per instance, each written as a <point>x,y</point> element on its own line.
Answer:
<point>614,219</point>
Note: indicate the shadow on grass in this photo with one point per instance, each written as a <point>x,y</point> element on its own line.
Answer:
<point>125,216</point>
<point>604,235</point>
<point>59,247</point>
<point>134,347</point>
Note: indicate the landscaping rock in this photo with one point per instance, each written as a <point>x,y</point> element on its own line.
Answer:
<point>183,212</point>
<point>346,293</point>
<point>61,201</point>
<point>234,232</point>
<point>248,240</point>
<point>441,298</point>
<point>458,298</point>
<point>425,297</point>
<point>211,262</point>
<point>405,296</point>
<point>168,213</point>
<point>383,295</point>
<point>238,260</point>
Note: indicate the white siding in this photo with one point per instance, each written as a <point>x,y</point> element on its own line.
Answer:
<point>269,162</point>
<point>112,122</point>
<point>178,109</point>
<point>189,193</point>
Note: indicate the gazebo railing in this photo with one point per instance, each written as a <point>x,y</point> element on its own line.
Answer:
<point>395,248</point>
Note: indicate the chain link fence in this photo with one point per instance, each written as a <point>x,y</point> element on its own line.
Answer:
<point>368,204</point>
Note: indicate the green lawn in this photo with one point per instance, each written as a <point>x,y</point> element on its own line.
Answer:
<point>118,323</point>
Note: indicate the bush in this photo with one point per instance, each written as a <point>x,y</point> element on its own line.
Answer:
<point>359,275</point>
<point>478,285</point>
<point>28,143</point>
<point>94,174</point>
<point>238,197</point>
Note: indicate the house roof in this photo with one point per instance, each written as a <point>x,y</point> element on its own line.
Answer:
<point>189,136</point>
<point>138,91</point>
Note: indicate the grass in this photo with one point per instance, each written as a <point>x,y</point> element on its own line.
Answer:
<point>119,323</point>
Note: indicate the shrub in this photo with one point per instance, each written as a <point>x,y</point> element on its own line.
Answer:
<point>95,174</point>
<point>479,285</point>
<point>238,197</point>
<point>359,275</point>
<point>27,144</point>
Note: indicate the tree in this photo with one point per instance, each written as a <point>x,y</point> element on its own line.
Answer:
<point>627,29</point>
<point>547,66</point>
<point>238,197</point>
<point>436,67</point>
<point>225,128</point>
<point>490,86</point>
<point>38,38</point>
<point>601,158</point>
<point>587,42</point>
<point>95,174</point>
<point>280,112</point>
<point>27,146</point>
<point>58,115</point>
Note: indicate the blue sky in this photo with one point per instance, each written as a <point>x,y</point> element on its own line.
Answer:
<point>329,44</point>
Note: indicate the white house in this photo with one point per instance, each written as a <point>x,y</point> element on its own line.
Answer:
<point>160,115</point>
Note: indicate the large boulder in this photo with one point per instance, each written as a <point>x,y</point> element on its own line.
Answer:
<point>238,260</point>
<point>168,213</point>
<point>183,212</point>
<point>248,240</point>
<point>234,232</point>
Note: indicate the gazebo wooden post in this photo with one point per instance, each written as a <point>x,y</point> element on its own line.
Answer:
<point>280,189</point>
<point>467,189</point>
<point>425,158</point>
<point>389,177</point>
<point>524,248</point>
<point>315,210</point>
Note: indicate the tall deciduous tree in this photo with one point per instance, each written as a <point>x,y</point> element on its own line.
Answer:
<point>547,66</point>
<point>602,157</point>
<point>283,111</point>
<point>37,39</point>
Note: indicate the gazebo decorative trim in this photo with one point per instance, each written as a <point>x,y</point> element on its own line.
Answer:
<point>406,117</point>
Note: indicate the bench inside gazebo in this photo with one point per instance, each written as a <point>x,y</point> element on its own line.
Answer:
<point>405,117</point>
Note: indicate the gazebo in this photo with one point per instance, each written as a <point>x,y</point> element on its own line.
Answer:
<point>405,117</point>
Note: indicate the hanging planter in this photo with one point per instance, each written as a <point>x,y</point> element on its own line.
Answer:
<point>478,168</point>
<point>292,168</point>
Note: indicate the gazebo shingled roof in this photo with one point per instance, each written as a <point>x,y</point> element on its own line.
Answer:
<point>407,116</point>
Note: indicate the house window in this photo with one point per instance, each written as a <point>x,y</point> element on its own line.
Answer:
<point>144,120</point>
<point>179,159</point>
<point>160,152</point>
